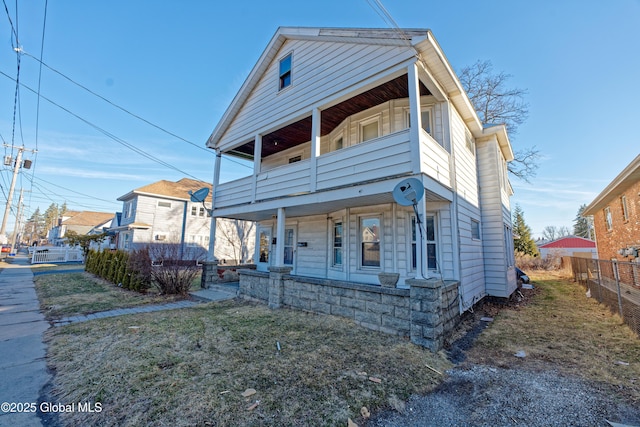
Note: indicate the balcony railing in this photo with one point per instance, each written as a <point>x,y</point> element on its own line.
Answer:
<point>387,156</point>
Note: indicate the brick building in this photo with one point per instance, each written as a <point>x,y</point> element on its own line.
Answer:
<point>616,215</point>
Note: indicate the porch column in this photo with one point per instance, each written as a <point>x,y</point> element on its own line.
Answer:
<point>422,266</point>
<point>257,164</point>
<point>415,116</point>
<point>279,261</point>
<point>315,149</point>
<point>212,231</point>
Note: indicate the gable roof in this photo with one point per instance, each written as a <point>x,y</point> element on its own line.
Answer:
<point>88,218</point>
<point>569,242</point>
<point>420,41</point>
<point>178,190</point>
<point>629,176</point>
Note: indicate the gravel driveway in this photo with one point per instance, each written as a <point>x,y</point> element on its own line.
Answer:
<point>480,395</point>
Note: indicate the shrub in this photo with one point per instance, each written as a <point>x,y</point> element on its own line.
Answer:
<point>528,262</point>
<point>174,267</point>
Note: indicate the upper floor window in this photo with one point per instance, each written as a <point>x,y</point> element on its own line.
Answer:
<point>285,72</point>
<point>426,119</point>
<point>607,218</point>
<point>471,145</point>
<point>369,129</point>
<point>295,159</point>
<point>164,204</point>
<point>625,213</point>
<point>128,209</point>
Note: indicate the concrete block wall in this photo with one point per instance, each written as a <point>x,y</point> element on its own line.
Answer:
<point>426,312</point>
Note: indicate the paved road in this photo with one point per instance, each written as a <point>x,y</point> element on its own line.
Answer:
<point>23,367</point>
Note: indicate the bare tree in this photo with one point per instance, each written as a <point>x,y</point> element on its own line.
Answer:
<point>551,232</point>
<point>235,238</point>
<point>496,103</point>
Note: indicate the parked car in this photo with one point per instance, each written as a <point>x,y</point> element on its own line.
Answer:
<point>521,276</point>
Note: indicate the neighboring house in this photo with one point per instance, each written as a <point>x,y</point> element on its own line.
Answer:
<point>83,223</point>
<point>616,216</point>
<point>162,212</point>
<point>569,246</point>
<point>333,119</point>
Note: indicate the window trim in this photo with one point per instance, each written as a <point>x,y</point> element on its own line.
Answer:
<point>366,122</point>
<point>361,243</point>
<point>334,264</point>
<point>475,225</point>
<point>625,211</point>
<point>608,220</point>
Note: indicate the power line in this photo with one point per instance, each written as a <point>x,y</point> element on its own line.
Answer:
<point>114,104</point>
<point>107,133</point>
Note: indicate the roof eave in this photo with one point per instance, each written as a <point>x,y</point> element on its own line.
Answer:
<point>628,176</point>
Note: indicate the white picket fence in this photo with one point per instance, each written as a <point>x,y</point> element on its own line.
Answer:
<point>48,254</point>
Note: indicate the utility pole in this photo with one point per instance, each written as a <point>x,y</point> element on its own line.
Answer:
<point>16,169</point>
<point>15,229</point>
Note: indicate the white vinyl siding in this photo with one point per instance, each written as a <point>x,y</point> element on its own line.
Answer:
<point>343,66</point>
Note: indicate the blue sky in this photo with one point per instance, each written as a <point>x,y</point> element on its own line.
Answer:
<point>179,64</point>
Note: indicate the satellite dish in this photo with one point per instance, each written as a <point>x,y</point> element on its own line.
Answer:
<point>408,192</point>
<point>199,195</point>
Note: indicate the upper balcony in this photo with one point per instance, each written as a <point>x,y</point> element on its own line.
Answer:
<point>363,139</point>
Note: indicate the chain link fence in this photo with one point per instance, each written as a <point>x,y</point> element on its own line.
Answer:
<point>614,283</point>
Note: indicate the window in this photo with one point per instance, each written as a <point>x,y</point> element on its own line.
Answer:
<point>471,145</point>
<point>370,242</point>
<point>475,229</point>
<point>425,118</point>
<point>426,122</point>
<point>625,213</point>
<point>607,218</point>
<point>336,260</point>
<point>201,212</point>
<point>432,261</point>
<point>369,129</point>
<point>338,143</point>
<point>128,209</point>
<point>285,72</point>
<point>194,210</point>
<point>295,159</point>
<point>164,204</point>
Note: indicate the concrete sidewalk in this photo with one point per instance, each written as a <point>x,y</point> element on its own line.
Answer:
<point>23,368</point>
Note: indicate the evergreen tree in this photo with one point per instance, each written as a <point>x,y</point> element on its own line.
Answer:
<point>523,242</point>
<point>582,225</point>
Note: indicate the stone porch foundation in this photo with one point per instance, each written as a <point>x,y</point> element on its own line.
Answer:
<point>426,312</point>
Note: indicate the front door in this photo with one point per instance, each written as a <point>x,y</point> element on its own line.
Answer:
<point>263,249</point>
<point>290,247</point>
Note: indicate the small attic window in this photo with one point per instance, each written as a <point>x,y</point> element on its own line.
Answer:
<point>285,72</point>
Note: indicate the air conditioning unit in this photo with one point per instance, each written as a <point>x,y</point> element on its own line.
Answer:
<point>161,236</point>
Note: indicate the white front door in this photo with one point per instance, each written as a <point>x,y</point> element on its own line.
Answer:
<point>290,247</point>
<point>263,248</point>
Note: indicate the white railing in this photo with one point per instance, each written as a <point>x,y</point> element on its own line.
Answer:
<point>42,255</point>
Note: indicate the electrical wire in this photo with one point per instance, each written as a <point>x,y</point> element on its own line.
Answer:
<point>114,104</point>
<point>107,133</point>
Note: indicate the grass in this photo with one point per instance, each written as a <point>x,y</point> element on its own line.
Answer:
<point>190,367</point>
<point>560,329</point>
<point>69,294</point>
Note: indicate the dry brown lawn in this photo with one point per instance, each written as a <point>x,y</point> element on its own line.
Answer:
<point>191,366</point>
<point>559,328</point>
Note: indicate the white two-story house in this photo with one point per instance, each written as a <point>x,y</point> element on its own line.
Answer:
<point>162,212</point>
<point>333,119</point>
